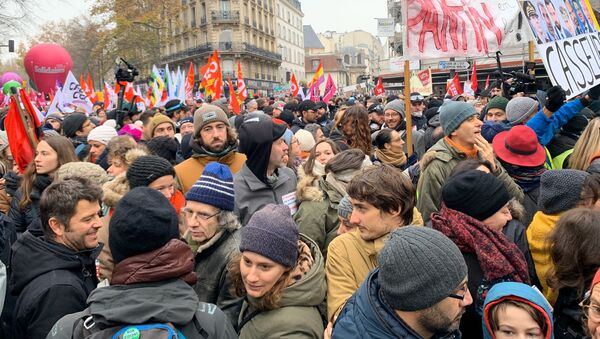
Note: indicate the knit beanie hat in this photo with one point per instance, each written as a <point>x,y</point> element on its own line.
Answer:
<point>345,207</point>
<point>498,102</point>
<point>396,105</point>
<point>93,172</point>
<point>287,136</point>
<point>207,114</point>
<point>576,124</point>
<point>560,190</point>
<point>165,147</point>
<point>143,221</point>
<point>72,123</point>
<point>272,233</point>
<point>132,130</point>
<point>186,120</point>
<point>519,109</point>
<point>453,113</point>
<point>419,267</point>
<point>306,139</point>
<point>214,187</point>
<point>156,120</point>
<point>145,169</point>
<point>102,134</point>
<point>475,193</point>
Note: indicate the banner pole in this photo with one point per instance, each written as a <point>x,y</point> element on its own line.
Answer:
<point>407,107</point>
<point>531,46</point>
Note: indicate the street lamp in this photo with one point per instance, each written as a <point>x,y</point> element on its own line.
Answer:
<point>157,29</point>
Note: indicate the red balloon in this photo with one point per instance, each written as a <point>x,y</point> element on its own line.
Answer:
<point>47,63</point>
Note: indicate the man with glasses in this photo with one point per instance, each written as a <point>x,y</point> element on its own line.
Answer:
<point>418,291</point>
<point>212,232</point>
<point>417,106</point>
<point>308,115</point>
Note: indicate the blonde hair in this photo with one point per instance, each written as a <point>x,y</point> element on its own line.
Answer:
<point>586,147</point>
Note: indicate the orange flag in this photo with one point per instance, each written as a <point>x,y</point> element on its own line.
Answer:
<point>294,85</point>
<point>241,85</point>
<point>235,104</point>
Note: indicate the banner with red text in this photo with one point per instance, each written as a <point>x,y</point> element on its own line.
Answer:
<point>462,28</point>
<point>421,82</point>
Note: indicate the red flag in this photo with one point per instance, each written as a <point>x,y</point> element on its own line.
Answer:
<point>454,87</point>
<point>487,82</point>
<point>330,88</point>
<point>106,96</point>
<point>241,85</point>
<point>474,78</point>
<point>189,85</point>
<point>90,84</point>
<point>235,104</point>
<point>294,85</point>
<point>20,125</point>
<point>379,90</point>
<point>315,92</point>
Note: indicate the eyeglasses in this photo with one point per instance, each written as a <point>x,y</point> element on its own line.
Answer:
<point>465,289</point>
<point>189,214</point>
<point>590,309</point>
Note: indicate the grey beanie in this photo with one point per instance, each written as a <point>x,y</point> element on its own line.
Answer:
<point>453,113</point>
<point>272,233</point>
<point>345,207</point>
<point>560,190</point>
<point>519,109</point>
<point>419,267</point>
<point>396,105</point>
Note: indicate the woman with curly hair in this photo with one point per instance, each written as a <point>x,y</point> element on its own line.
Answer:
<point>354,125</point>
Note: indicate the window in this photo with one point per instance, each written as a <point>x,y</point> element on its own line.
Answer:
<point>315,63</point>
<point>346,59</point>
<point>225,5</point>
<point>227,65</point>
<point>359,59</point>
<point>193,17</point>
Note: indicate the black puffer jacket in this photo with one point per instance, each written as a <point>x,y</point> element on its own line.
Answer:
<point>21,218</point>
<point>50,281</point>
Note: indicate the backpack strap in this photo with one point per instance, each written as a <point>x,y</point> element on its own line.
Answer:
<point>85,325</point>
<point>199,327</point>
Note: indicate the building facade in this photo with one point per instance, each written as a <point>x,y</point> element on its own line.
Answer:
<point>290,39</point>
<point>243,31</point>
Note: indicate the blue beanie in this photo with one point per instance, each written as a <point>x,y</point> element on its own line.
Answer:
<point>453,113</point>
<point>214,187</point>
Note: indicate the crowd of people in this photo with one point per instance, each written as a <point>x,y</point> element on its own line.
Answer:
<point>302,219</point>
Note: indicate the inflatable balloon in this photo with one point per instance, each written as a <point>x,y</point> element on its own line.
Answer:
<point>47,63</point>
<point>7,86</point>
<point>6,77</point>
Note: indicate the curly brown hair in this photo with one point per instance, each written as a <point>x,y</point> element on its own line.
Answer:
<point>356,119</point>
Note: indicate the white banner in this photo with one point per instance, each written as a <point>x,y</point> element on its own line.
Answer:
<point>385,27</point>
<point>462,28</point>
<point>73,96</point>
<point>568,41</point>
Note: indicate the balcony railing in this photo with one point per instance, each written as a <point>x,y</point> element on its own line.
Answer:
<point>225,16</point>
<point>188,53</point>
<point>226,46</point>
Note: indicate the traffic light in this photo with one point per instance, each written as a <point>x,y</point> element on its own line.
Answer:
<point>11,46</point>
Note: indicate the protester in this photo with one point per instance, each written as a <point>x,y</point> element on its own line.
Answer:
<point>306,142</point>
<point>354,125</point>
<point>586,150</point>
<point>53,274</point>
<point>159,125</point>
<point>394,113</point>
<point>317,214</point>
<point>51,153</point>
<point>417,106</point>
<point>418,291</point>
<point>308,115</point>
<point>462,140</point>
<point>152,281</point>
<point>382,201</point>
<point>118,147</point>
<point>76,127</point>
<point>214,141</point>
<point>175,109</point>
<point>376,116</point>
<point>516,309</point>
<point>280,275</point>
<point>314,168</point>
<point>474,214</point>
<point>212,231</point>
<point>389,150</point>
<point>98,139</point>
<point>520,110</point>
<point>562,145</point>
<point>263,178</point>
<point>166,148</point>
<point>590,306</point>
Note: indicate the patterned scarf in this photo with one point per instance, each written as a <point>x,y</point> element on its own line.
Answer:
<point>528,178</point>
<point>497,256</point>
<point>304,263</point>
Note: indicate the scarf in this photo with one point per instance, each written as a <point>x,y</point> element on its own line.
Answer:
<point>469,152</point>
<point>528,178</point>
<point>389,157</point>
<point>304,263</point>
<point>318,169</point>
<point>497,256</point>
<point>200,151</point>
<point>340,180</point>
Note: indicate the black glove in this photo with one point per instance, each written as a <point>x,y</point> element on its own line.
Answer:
<point>555,98</point>
<point>594,93</point>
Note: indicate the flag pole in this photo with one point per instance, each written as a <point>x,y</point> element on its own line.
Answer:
<point>409,143</point>
<point>531,46</point>
<point>26,120</point>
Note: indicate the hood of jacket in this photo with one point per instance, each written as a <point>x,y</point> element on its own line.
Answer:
<point>518,292</point>
<point>307,188</point>
<point>159,302</point>
<point>47,256</point>
<point>114,190</point>
<point>256,140</point>
<point>310,290</point>
<point>440,150</point>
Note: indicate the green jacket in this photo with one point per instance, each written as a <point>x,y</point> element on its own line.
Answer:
<point>298,315</point>
<point>317,215</point>
<point>436,166</point>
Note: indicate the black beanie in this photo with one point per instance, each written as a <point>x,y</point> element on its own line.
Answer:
<point>164,147</point>
<point>72,123</point>
<point>143,221</point>
<point>475,193</point>
<point>145,169</point>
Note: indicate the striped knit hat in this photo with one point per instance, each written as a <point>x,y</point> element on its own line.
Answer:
<point>214,187</point>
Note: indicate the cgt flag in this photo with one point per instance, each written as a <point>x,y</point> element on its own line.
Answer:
<point>379,90</point>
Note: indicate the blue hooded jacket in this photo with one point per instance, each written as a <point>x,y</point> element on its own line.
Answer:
<point>366,315</point>
<point>518,292</point>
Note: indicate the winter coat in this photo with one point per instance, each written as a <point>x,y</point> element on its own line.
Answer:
<point>545,128</point>
<point>149,293</point>
<point>190,170</point>
<point>297,315</point>
<point>530,203</point>
<point>366,315</point>
<point>435,170</point>
<point>58,283</point>
<point>21,218</point>
<point>298,124</point>
<point>561,143</point>
<point>210,265</point>
<point>541,226</point>
<point>518,292</point>
<point>251,194</point>
<point>419,122</point>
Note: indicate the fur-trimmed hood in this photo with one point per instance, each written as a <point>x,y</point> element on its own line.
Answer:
<point>114,190</point>
<point>308,188</point>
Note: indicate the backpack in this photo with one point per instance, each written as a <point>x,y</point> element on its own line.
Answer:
<point>86,328</point>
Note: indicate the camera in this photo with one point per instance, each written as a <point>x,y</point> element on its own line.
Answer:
<point>522,83</point>
<point>124,71</point>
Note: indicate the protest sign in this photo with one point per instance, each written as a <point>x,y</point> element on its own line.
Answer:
<point>421,82</point>
<point>567,39</point>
